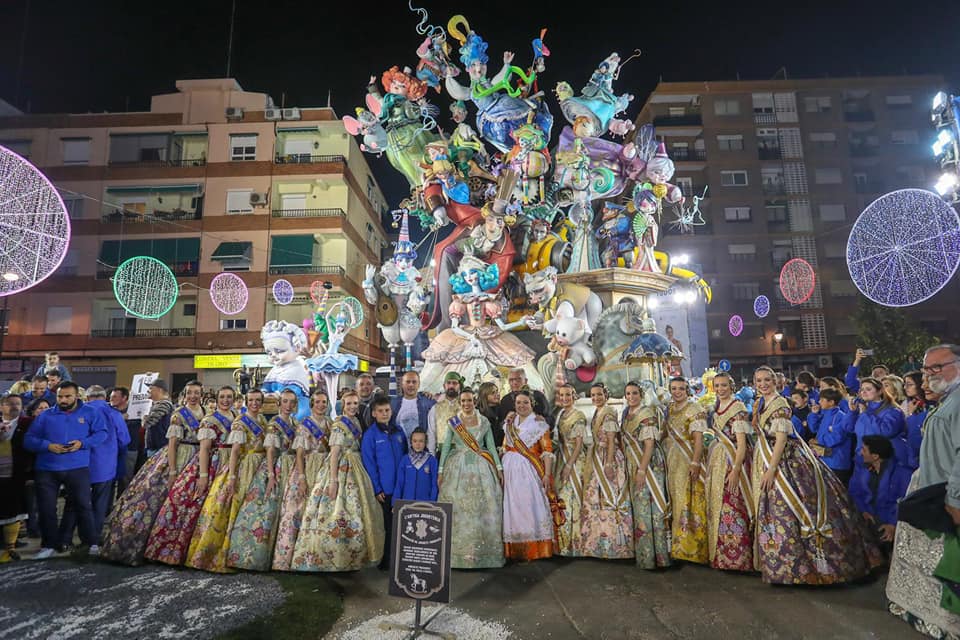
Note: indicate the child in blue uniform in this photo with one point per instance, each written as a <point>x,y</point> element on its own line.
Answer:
<point>417,471</point>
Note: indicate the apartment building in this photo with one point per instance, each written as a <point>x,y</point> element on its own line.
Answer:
<point>211,179</point>
<point>790,164</point>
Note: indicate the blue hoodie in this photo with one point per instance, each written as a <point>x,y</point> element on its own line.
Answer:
<point>888,422</point>
<point>892,486</point>
<point>56,426</point>
<point>381,451</point>
<point>830,431</point>
<point>103,457</point>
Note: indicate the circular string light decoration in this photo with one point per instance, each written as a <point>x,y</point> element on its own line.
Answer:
<point>33,222</point>
<point>283,291</point>
<point>904,247</point>
<point>761,306</point>
<point>735,325</point>
<point>145,287</point>
<point>229,293</point>
<point>797,281</point>
<point>317,289</point>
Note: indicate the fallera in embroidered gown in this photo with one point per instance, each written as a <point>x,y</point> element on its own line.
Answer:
<point>528,526</point>
<point>571,424</point>
<point>650,502</point>
<point>688,499</point>
<point>606,518</point>
<point>470,483</point>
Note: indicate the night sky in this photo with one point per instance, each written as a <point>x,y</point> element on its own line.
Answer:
<point>113,54</point>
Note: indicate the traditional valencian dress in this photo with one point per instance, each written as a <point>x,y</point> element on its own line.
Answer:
<point>687,498</point>
<point>606,519</point>
<point>470,483</point>
<point>571,424</point>
<point>528,524</point>
<point>807,532</point>
<point>650,503</point>
<point>211,538</point>
<point>131,521</point>
<point>730,513</point>
<point>344,533</point>
<point>311,439</point>
<point>253,533</point>
<point>178,516</point>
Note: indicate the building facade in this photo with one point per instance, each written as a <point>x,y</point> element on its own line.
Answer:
<point>790,164</point>
<point>212,179</point>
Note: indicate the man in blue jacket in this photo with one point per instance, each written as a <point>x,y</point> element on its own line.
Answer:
<point>107,461</point>
<point>382,448</point>
<point>62,438</point>
<point>878,485</point>
<point>410,410</point>
<point>39,392</point>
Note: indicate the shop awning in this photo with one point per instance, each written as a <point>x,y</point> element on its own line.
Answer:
<point>167,250</point>
<point>232,251</point>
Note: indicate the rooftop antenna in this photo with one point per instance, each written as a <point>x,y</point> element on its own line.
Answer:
<point>233,15</point>
<point>329,95</point>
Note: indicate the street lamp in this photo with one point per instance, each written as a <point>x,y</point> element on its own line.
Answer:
<point>778,339</point>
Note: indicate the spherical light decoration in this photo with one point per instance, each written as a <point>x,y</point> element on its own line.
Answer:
<point>229,293</point>
<point>283,291</point>
<point>735,325</point>
<point>33,222</point>
<point>145,287</point>
<point>797,281</point>
<point>761,306</point>
<point>904,247</point>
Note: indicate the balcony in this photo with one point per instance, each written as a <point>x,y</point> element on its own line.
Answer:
<point>122,332</point>
<point>306,158</point>
<point>151,217</point>
<point>690,119</point>
<point>858,115</point>
<point>762,117</point>
<point>309,213</point>
<point>158,163</point>
<point>769,152</point>
<point>686,154</point>
<point>774,188</point>
<point>307,269</point>
<point>180,269</point>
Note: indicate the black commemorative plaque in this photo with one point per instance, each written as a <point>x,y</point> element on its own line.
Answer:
<point>420,559</point>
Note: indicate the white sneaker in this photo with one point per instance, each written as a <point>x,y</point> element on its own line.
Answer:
<point>94,550</point>
<point>44,554</point>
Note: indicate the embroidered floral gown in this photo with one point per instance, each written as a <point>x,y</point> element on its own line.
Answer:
<point>528,527</point>
<point>471,484</point>
<point>344,533</point>
<point>129,525</point>
<point>211,537</point>
<point>173,529</point>
<point>651,502</point>
<point>688,499</point>
<point>606,519</point>
<point>571,424</point>
<point>729,513</point>
<point>312,436</point>
<point>807,532</point>
<point>253,534</point>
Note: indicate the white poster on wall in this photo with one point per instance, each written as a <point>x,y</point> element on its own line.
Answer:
<point>671,321</point>
<point>139,404</point>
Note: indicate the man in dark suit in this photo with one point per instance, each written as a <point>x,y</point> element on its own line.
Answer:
<point>518,380</point>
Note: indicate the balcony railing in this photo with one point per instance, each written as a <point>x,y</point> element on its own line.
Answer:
<point>760,117</point>
<point>686,120</point>
<point>306,269</point>
<point>859,115</point>
<point>769,153</point>
<point>774,189</point>
<point>180,269</point>
<point>306,158</point>
<point>154,163</point>
<point>184,332</point>
<point>158,215</point>
<point>309,213</point>
<point>864,150</point>
<point>686,154</point>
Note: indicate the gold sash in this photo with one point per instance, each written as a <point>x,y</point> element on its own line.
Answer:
<point>470,441</point>
<point>745,485</point>
<point>684,446</point>
<point>634,452</point>
<point>611,499</point>
<point>576,481</point>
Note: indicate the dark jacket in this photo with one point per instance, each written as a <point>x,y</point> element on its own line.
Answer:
<point>416,484</point>
<point>381,450</point>
<point>56,426</point>
<point>103,457</point>
<point>424,404</point>
<point>892,486</point>
<point>156,424</point>
<point>540,407</point>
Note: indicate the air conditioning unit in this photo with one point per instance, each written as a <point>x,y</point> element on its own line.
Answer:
<point>272,114</point>
<point>291,114</point>
<point>234,113</point>
<point>825,362</point>
<point>258,198</point>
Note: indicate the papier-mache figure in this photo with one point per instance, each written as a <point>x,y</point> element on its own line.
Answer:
<point>646,230</point>
<point>616,236</point>
<point>440,169</point>
<point>597,100</point>
<point>433,66</point>
<point>283,342</point>
<point>344,314</point>
<point>567,308</point>
<point>655,188</point>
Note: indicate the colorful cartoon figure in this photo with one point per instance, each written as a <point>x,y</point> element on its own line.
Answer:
<point>500,109</point>
<point>368,125</point>
<point>597,100</point>
<point>646,229</point>
<point>656,187</point>
<point>441,170</point>
<point>531,159</point>
<point>343,315</point>
<point>572,300</point>
<point>466,147</point>
<point>433,65</point>
<point>283,342</point>
<point>616,236</point>
<point>402,119</point>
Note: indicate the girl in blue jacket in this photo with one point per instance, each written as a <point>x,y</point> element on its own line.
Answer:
<point>875,414</point>
<point>417,472</point>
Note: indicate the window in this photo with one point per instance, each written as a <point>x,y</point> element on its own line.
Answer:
<point>763,103</point>
<point>842,288</point>
<point>772,180</point>
<point>835,249</point>
<point>833,213</point>
<point>776,212</point>
<point>746,290</point>
<point>233,324</point>
<point>733,178</point>
<point>74,205</point>
<point>677,112</point>
<point>76,150</point>
<point>911,175</point>
<point>238,201</point>
<point>899,102</point>
<point>58,320</point>
<point>19,147</point>
<point>686,186</point>
<point>782,252</point>
<point>828,176</point>
<point>243,147</point>
<point>730,143</point>
<point>736,214</point>
<point>742,252</point>
<point>904,136</point>
<point>726,107</point>
<point>190,309</point>
<point>150,148</point>
<point>817,104</point>
<point>823,139</point>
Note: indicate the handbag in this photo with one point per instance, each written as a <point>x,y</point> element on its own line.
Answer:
<point>924,509</point>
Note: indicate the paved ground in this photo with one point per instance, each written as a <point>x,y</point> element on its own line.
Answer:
<point>556,598</point>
